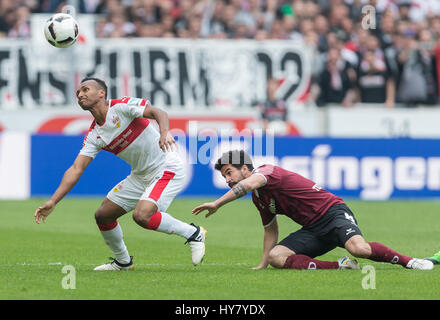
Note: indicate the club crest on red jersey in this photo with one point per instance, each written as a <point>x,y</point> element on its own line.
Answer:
<point>272,206</point>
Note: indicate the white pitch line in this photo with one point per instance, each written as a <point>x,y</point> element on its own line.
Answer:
<point>51,264</point>
<point>238,264</point>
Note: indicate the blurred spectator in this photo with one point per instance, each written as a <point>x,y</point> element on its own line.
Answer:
<point>375,77</point>
<point>274,110</point>
<point>117,23</point>
<point>277,31</point>
<point>244,20</point>
<point>417,65</point>
<point>322,29</point>
<point>382,59</point>
<point>386,31</point>
<point>117,27</point>
<point>6,21</point>
<point>186,11</point>
<point>84,6</point>
<point>374,81</point>
<point>52,6</point>
<point>404,9</point>
<point>333,85</point>
<point>261,35</point>
<point>265,13</point>
<point>194,26</point>
<point>289,25</point>
<point>7,16</point>
<point>337,14</point>
<point>144,11</point>
<point>214,24</point>
<point>91,6</point>
<point>20,27</point>
<point>435,27</point>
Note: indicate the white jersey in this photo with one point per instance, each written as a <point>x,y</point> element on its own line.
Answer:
<point>131,137</point>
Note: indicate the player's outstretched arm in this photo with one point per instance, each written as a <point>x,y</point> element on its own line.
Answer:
<point>237,191</point>
<point>270,241</point>
<point>166,140</point>
<point>70,178</point>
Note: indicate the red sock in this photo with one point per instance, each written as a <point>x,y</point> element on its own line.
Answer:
<point>382,253</point>
<point>107,227</point>
<point>154,221</point>
<point>300,261</point>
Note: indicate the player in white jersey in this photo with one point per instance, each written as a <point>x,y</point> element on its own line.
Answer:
<point>121,126</point>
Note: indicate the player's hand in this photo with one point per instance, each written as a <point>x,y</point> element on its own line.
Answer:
<point>43,211</point>
<point>210,206</point>
<point>259,267</point>
<point>167,142</point>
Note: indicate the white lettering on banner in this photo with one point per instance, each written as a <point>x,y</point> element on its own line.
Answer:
<point>433,173</point>
<point>410,173</point>
<point>376,177</point>
<point>181,72</point>
<point>319,153</point>
<point>298,164</point>
<point>340,168</point>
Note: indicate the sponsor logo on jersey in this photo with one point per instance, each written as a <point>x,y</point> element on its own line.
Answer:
<point>272,206</point>
<point>134,129</point>
<point>135,101</point>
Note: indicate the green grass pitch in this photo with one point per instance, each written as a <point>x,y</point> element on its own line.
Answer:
<point>33,256</point>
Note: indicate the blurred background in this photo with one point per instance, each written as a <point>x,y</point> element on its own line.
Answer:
<point>345,92</point>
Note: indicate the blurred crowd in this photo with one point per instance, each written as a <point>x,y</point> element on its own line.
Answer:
<point>368,51</point>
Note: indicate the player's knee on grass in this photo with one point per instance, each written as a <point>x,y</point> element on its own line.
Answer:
<point>278,256</point>
<point>358,247</point>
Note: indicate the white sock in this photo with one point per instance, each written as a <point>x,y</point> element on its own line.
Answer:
<point>171,225</point>
<point>114,239</point>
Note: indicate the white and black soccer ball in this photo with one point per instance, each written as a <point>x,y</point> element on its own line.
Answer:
<point>61,30</point>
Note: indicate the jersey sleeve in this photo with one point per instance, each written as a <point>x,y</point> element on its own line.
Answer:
<point>90,146</point>
<point>272,176</point>
<point>134,107</point>
<point>267,217</point>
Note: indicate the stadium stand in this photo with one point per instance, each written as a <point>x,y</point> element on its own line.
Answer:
<point>394,60</point>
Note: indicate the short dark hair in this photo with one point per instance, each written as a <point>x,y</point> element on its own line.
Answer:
<point>236,158</point>
<point>101,83</point>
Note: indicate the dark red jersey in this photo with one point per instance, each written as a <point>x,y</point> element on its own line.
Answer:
<point>291,194</point>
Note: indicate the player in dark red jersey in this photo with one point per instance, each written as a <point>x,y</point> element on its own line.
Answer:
<point>326,220</point>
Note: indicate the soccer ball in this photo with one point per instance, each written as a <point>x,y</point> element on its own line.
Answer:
<point>61,30</point>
